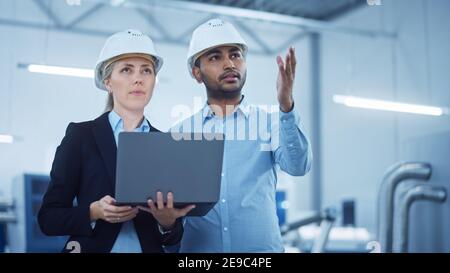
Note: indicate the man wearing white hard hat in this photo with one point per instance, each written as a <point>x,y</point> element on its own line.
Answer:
<point>244,219</point>
<point>85,161</point>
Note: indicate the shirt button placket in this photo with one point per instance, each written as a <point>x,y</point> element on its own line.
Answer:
<point>224,212</point>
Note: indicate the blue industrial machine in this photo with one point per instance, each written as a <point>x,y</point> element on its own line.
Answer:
<point>280,199</point>
<point>24,235</point>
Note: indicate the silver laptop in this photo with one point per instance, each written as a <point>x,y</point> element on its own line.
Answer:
<point>189,165</point>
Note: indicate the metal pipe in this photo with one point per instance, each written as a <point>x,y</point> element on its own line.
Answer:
<point>316,120</point>
<point>321,242</point>
<point>326,218</point>
<point>432,193</point>
<point>328,214</point>
<point>315,218</point>
<point>393,177</point>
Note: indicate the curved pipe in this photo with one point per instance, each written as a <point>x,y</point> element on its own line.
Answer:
<point>315,218</point>
<point>393,177</point>
<point>328,214</point>
<point>432,193</point>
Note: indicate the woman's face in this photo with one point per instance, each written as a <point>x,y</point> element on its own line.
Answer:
<point>131,82</point>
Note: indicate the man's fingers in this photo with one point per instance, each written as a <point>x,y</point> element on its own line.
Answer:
<point>281,65</point>
<point>288,65</point>
<point>294,60</point>
<point>170,200</point>
<point>185,210</point>
<point>159,200</point>
<point>151,205</point>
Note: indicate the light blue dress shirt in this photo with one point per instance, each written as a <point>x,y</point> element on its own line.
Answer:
<point>245,219</point>
<point>127,241</point>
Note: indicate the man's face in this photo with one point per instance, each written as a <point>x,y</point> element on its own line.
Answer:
<point>223,71</point>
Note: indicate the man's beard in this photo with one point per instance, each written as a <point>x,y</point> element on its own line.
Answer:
<point>219,93</point>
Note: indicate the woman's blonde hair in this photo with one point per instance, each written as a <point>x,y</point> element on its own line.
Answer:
<point>107,71</point>
<point>106,75</point>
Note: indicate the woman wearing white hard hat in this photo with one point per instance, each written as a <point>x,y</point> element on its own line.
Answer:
<point>84,165</point>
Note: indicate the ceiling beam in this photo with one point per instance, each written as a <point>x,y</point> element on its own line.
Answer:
<point>309,24</point>
<point>90,32</point>
<point>154,23</point>
<point>24,24</point>
<point>186,34</point>
<point>85,15</point>
<point>254,37</point>
<point>292,40</point>
<point>48,12</point>
<point>343,10</point>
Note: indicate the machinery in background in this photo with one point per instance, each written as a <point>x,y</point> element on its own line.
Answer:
<point>394,176</point>
<point>388,209</point>
<point>429,222</point>
<point>433,193</point>
<point>282,206</point>
<point>317,232</point>
<point>326,220</point>
<point>24,235</point>
<point>6,216</point>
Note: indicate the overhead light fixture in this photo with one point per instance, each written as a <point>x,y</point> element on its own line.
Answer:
<point>117,3</point>
<point>58,70</point>
<point>6,139</point>
<point>67,71</point>
<point>357,102</point>
<point>73,2</point>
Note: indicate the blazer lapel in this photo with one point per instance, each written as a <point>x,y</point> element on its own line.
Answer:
<point>152,129</point>
<point>106,144</point>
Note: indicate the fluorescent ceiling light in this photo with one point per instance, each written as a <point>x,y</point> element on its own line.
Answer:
<point>60,70</point>
<point>116,3</point>
<point>67,71</point>
<point>351,101</point>
<point>6,139</point>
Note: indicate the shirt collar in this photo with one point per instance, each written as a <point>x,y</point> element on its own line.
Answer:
<point>117,123</point>
<point>242,108</point>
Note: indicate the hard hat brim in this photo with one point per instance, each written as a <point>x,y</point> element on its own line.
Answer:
<point>196,56</point>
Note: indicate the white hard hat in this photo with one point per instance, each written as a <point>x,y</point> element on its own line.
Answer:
<point>213,33</point>
<point>126,42</point>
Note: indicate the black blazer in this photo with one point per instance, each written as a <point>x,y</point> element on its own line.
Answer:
<point>85,168</point>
